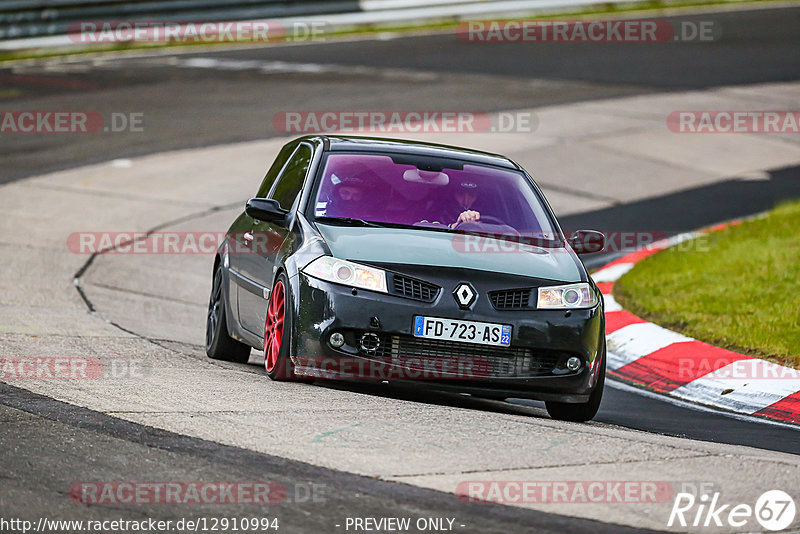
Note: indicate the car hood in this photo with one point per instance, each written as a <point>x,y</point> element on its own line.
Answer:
<point>425,247</point>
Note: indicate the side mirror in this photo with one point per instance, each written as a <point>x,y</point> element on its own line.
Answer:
<point>587,241</point>
<point>265,209</point>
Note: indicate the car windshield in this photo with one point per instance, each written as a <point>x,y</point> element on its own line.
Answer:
<point>430,194</point>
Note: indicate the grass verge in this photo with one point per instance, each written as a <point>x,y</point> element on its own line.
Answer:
<point>738,288</point>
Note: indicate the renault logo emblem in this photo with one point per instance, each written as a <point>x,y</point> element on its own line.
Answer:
<point>465,295</point>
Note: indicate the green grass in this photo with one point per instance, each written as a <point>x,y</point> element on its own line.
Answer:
<point>738,288</point>
<point>651,8</point>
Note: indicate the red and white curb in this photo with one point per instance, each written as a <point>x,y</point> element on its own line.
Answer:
<point>668,362</point>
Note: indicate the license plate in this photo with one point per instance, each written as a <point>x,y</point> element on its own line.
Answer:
<point>466,331</point>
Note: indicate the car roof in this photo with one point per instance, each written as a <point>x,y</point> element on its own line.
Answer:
<point>377,144</point>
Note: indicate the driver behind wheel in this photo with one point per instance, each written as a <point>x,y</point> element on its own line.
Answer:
<point>350,197</point>
<point>464,199</point>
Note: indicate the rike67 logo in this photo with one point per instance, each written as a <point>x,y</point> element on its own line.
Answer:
<point>774,510</point>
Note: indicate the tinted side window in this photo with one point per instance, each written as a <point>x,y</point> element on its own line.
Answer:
<point>291,181</point>
<point>273,171</point>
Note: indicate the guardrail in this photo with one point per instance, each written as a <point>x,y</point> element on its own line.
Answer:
<point>20,19</point>
<point>33,23</point>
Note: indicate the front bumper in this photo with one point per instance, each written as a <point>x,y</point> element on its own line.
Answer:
<point>532,368</point>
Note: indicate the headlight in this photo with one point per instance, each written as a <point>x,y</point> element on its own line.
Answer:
<point>348,273</point>
<point>566,297</point>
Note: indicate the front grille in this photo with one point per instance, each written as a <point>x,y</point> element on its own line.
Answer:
<point>509,299</point>
<point>486,361</point>
<point>412,288</point>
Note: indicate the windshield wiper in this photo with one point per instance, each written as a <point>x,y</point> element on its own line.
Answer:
<point>351,221</point>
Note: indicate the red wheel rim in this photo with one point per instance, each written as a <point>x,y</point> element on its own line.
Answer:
<point>273,333</point>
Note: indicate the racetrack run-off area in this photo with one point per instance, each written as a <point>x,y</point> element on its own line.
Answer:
<point>148,323</point>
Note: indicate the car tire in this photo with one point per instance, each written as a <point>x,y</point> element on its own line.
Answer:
<point>219,344</point>
<point>278,332</point>
<point>580,412</point>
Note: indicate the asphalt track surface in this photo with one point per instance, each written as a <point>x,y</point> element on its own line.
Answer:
<point>189,107</point>
<point>315,497</point>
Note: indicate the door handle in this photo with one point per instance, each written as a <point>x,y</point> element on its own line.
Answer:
<point>248,238</point>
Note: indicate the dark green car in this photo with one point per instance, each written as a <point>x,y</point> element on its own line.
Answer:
<point>380,260</point>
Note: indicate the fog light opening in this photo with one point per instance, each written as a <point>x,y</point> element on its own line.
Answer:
<point>370,342</point>
<point>573,363</point>
<point>336,340</point>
